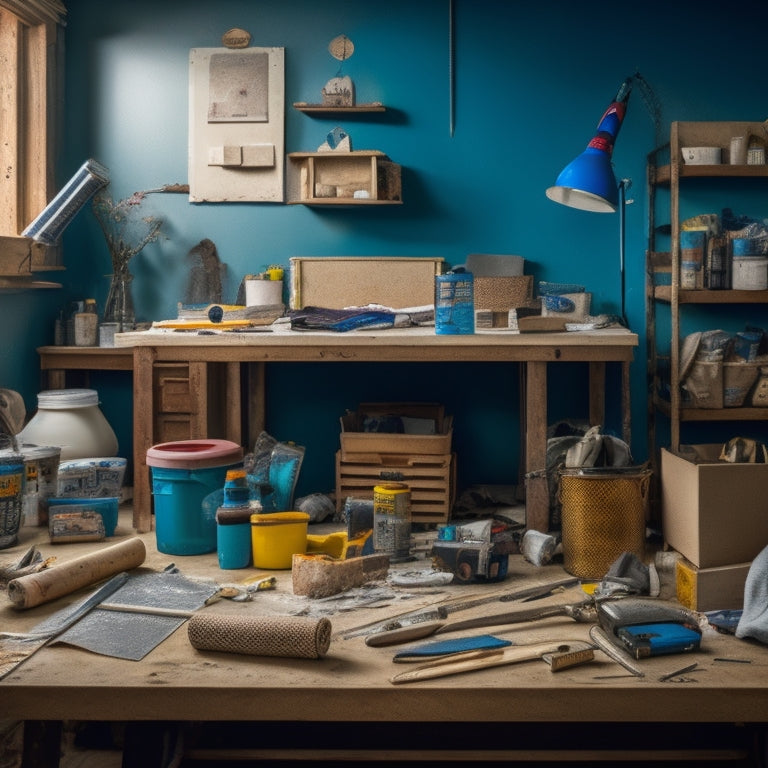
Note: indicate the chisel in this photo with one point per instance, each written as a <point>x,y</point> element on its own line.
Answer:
<point>582,611</point>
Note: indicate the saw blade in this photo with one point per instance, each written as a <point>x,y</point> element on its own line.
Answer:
<point>603,642</point>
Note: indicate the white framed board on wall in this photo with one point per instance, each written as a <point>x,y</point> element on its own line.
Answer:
<point>236,125</point>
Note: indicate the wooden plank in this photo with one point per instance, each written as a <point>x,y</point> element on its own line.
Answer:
<point>256,401</point>
<point>233,411</point>
<point>597,393</point>
<point>536,489</point>
<point>11,34</point>
<point>37,122</point>
<point>198,400</point>
<point>15,253</point>
<point>143,431</point>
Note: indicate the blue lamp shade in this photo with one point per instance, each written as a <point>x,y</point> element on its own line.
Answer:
<point>588,182</point>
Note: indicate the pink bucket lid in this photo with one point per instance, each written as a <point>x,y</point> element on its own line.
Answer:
<point>194,454</point>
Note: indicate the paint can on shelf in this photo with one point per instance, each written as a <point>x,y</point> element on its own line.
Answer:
<point>749,273</point>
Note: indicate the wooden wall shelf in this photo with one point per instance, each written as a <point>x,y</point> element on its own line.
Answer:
<point>342,178</point>
<point>302,106</point>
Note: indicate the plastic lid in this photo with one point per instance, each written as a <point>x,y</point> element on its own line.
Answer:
<point>194,454</point>
<point>278,518</point>
<point>67,398</point>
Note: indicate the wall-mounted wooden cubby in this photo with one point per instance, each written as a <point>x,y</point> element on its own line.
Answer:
<point>343,178</point>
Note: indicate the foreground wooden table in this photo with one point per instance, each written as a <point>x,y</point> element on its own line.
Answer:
<point>278,344</point>
<point>320,705</point>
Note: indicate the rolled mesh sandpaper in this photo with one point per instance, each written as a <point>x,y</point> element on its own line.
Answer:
<point>297,637</point>
<point>59,580</point>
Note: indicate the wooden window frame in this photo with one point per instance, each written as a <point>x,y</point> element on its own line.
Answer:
<point>31,47</point>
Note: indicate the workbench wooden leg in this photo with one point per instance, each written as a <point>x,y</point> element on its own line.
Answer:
<point>234,398</point>
<point>597,393</point>
<point>198,391</point>
<point>626,405</point>
<point>536,490</point>
<point>151,745</point>
<point>143,431</point>
<point>256,404</point>
<point>55,378</point>
<point>42,744</point>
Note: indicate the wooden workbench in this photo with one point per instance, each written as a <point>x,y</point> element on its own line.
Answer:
<point>231,351</point>
<point>349,691</point>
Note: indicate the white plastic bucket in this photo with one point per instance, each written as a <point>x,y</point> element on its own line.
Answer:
<point>263,293</point>
<point>750,273</point>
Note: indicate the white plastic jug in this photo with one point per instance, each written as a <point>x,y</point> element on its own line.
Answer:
<point>72,420</point>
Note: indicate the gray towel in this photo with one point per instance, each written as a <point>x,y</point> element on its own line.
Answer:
<point>754,618</point>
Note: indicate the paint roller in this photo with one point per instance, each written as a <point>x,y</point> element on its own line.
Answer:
<point>298,637</point>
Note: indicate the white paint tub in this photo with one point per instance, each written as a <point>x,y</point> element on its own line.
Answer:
<point>750,273</point>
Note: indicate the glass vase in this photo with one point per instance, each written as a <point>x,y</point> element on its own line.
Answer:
<point>118,308</point>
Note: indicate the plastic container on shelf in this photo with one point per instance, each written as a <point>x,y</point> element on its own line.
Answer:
<point>184,473</point>
<point>72,420</point>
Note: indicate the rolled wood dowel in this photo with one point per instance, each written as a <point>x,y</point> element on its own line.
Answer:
<point>52,583</point>
<point>148,610</point>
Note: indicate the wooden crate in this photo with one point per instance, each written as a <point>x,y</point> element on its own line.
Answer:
<point>431,479</point>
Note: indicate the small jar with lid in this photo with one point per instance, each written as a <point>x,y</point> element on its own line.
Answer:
<point>87,325</point>
<point>72,420</point>
<point>233,522</point>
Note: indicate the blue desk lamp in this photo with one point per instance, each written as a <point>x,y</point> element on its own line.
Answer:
<point>589,183</point>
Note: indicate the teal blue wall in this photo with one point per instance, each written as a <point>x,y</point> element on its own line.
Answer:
<point>532,80</point>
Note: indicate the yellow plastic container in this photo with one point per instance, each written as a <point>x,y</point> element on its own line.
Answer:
<point>276,537</point>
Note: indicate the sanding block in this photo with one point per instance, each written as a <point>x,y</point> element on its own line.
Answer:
<point>321,576</point>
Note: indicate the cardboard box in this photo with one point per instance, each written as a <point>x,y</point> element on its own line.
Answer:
<point>713,512</point>
<point>371,446</point>
<point>335,282</point>
<point>711,589</point>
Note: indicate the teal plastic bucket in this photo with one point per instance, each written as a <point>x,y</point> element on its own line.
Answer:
<point>183,474</point>
<point>181,524</point>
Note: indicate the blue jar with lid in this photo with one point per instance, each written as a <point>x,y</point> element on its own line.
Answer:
<point>233,522</point>
<point>455,303</point>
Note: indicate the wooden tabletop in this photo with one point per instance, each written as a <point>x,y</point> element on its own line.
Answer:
<point>352,682</point>
<point>280,343</point>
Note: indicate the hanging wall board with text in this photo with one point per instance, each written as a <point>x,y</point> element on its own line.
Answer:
<point>236,125</point>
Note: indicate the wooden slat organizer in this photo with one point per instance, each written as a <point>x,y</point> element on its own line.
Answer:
<point>431,479</point>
